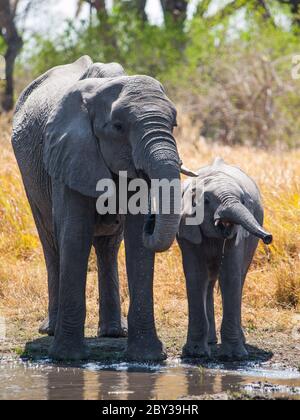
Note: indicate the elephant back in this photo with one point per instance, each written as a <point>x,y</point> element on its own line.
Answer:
<point>33,108</point>
<point>38,100</point>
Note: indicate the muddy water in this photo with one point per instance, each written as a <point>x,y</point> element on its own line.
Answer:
<point>43,380</point>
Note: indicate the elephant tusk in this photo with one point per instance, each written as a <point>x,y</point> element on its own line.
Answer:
<point>188,172</point>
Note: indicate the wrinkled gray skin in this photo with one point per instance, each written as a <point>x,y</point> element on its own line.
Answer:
<point>233,216</point>
<point>75,125</point>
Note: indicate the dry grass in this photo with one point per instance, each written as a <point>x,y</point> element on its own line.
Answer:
<point>272,292</point>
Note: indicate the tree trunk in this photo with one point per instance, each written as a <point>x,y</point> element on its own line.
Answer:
<point>266,13</point>
<point>14,45</point>
<point>176,10</point>
<point>99,5</point>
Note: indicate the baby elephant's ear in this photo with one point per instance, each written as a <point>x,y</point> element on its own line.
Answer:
<point>191,233</point>
<point>71,151</point>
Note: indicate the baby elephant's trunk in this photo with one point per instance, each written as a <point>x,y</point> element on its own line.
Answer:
<point>238,214</point>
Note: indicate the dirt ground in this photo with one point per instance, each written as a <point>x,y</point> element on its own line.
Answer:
<point>280,350</point>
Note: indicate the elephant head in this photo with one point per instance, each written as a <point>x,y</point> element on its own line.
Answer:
<point>103,126</point>
<point>228,209</point>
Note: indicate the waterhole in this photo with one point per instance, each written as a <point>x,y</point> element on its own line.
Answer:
<point>122,381</point>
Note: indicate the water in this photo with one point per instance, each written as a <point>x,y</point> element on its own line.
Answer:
<point>174,380</point>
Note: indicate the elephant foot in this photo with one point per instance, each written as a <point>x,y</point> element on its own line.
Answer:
<point>196,350</point>
<point>145,350</point>
<point>233,352</point>
<point>47,327</point>
<point>114,331</point>
<point>68,351</point>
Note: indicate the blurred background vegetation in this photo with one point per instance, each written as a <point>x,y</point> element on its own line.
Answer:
<point>227,62</point>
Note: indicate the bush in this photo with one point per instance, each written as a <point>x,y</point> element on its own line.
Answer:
<point>242,91</point>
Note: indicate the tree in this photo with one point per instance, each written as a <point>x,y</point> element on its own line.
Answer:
<point>98,5</point>
<point>133,6</point>
<point>231,8</point>
<point>294,8</point>
<point>136,6</point>
<point>14,43</point>
<point>175,11</point>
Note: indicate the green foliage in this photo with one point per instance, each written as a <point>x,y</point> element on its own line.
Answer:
<point>197,63</point>
<point>140,47</point>
<point>2,46</point>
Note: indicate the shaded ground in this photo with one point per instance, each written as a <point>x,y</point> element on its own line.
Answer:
<point>281,350</point>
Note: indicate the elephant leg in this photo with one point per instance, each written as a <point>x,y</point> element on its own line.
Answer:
<point>111,323</point>
<point>210,305</point>
<point>52,262</point>
<point>143,343</point>
<point>197,280</point>
<point>45,230</point>
<point>74,216</point>
<point>243,337</point>
<point>233,346</point>
<point>250,248</point>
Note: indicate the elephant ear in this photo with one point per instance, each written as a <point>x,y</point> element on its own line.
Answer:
<point>71,151</point>
<point>191,233</point>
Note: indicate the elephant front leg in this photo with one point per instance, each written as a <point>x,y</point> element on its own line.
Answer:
<point>212,336</point>
<point>48,325</point>
<point>111,323</point>
<point>73,215</point>
<point>143,343</point>
<point>197,279</point>
<point>233,345</point>
<point>43,223</point>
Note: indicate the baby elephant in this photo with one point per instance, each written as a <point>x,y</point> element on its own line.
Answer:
<point>221,247</point>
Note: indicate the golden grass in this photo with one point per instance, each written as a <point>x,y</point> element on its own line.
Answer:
<point>272,292</point>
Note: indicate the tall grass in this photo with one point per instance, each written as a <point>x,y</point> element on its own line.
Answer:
<point>17,235</point>
<point>272,290</point>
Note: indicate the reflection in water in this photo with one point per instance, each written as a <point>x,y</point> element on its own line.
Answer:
<point>64,384</point>
<point>122,382</point>
<point>15,381</point>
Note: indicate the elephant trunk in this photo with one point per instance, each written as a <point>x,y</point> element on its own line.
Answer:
<point>160,162</point>
<point>160,229</point>
<point>238,214</point>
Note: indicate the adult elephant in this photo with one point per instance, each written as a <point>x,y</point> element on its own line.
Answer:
<point>73,126</point>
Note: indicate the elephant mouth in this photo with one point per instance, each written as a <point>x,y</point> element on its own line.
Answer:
<point>225,228</point>
<point>150,219</point>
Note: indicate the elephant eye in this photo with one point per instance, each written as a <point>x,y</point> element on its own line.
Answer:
<point>118,126</point>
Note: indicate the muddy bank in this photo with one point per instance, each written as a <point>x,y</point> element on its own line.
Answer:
<point>275,350</point>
